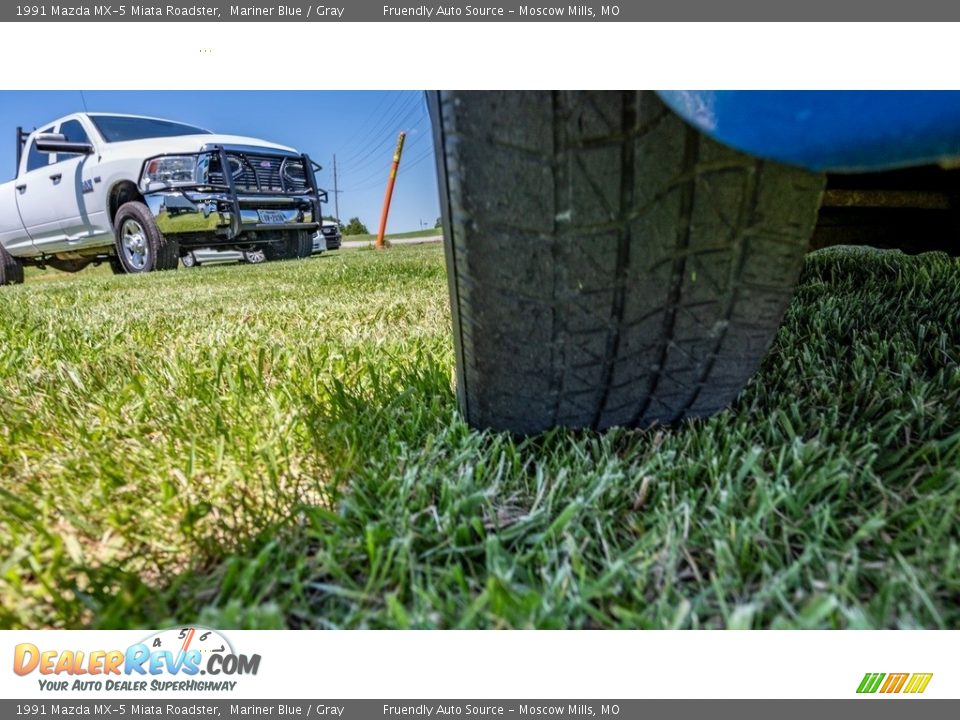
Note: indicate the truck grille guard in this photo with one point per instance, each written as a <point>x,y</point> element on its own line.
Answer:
<point>317,196</point>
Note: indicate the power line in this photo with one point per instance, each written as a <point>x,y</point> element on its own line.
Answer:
<point>416,161</point>
<point>375,117</point>
<point>370,117</point>
<point>386,129</point>
<point>376,158</point>
<point>381,177</point>
<point>384,122</point>
<point>382,170</point>
<point>428,153</point>
<point>366,183</point>
<point>379,162</point>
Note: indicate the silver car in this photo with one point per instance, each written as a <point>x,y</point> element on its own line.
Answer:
<point>210,256</point>
<point>196,258</point>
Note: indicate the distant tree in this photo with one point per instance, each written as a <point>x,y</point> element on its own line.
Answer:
<point>439,223</point>
<point>355,227</point>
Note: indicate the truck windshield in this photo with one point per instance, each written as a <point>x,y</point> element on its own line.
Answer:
<point>116,128</point>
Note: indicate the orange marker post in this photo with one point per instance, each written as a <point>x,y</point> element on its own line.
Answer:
<point>390,182</point>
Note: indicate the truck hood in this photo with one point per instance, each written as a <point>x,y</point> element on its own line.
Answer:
<point>185,144</point>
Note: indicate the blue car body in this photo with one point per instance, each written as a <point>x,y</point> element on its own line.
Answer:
<point>829,131</point>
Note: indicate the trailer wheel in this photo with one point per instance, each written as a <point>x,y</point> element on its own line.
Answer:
<point>608,264</point>
<point>140,245</point>
<point>11,268</point>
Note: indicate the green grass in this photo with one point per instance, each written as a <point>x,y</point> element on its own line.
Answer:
<point>278,446</point>
<point>428,232</point>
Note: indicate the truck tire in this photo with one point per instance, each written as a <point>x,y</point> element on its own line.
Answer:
<point>189,260</point>
<point>296,245</point>
<point>300,245</point>
<point>140,245</point>
<point>608,265</point>
<point>11,268</point>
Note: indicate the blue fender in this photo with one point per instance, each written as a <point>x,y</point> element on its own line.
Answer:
<point>827,130</point>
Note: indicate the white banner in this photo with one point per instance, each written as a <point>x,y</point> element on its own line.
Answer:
<point>198,662</point>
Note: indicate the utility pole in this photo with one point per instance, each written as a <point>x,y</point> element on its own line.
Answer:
<point>390,182</point>
<point>336,193</point>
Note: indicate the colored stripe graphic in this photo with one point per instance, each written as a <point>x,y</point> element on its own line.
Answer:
<point>893,683</point>
<point>918,682</point>
<point>870,682</point>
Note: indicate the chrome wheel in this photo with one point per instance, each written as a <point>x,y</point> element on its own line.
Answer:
<point>133,240</point>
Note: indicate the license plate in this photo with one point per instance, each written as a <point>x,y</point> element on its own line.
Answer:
<point>272,217</point>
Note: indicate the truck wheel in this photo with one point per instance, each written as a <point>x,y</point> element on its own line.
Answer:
<point>300,245</point>
<point>189,260</point>
<point>254,257</point>
<point>608,265</point>
<point>141,247</point>
<point>11,268</point>
<point>295,245</point>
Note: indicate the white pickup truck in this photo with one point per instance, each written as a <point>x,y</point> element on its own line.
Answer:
<point>140,193</point>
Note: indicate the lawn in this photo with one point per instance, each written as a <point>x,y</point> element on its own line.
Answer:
<point>425,233</point>
<point>278,446</point>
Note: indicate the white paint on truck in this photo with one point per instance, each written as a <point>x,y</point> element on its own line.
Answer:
<point>59,205</point>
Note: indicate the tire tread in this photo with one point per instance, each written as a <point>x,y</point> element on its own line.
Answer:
<point>609,265</point>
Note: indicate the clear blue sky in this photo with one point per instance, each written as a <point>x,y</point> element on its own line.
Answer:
<point>359,126</point>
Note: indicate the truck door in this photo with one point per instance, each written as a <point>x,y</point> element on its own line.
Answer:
<point>12,235</point>
<point>79,194</point>
<point>35,198</point>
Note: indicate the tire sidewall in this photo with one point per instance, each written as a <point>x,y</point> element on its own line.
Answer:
<point>158,250</point>
<point>301,245</point>
<point>296,246</point>
<point>11,269</point>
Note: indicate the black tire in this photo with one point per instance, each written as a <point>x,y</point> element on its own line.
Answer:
<point>295,246</point>
<point>301,245</point>
<point>189,261</point>
<point>115,267</point>
<point>140,245</point>
<point>11,268</point>
<point>608,264</point>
